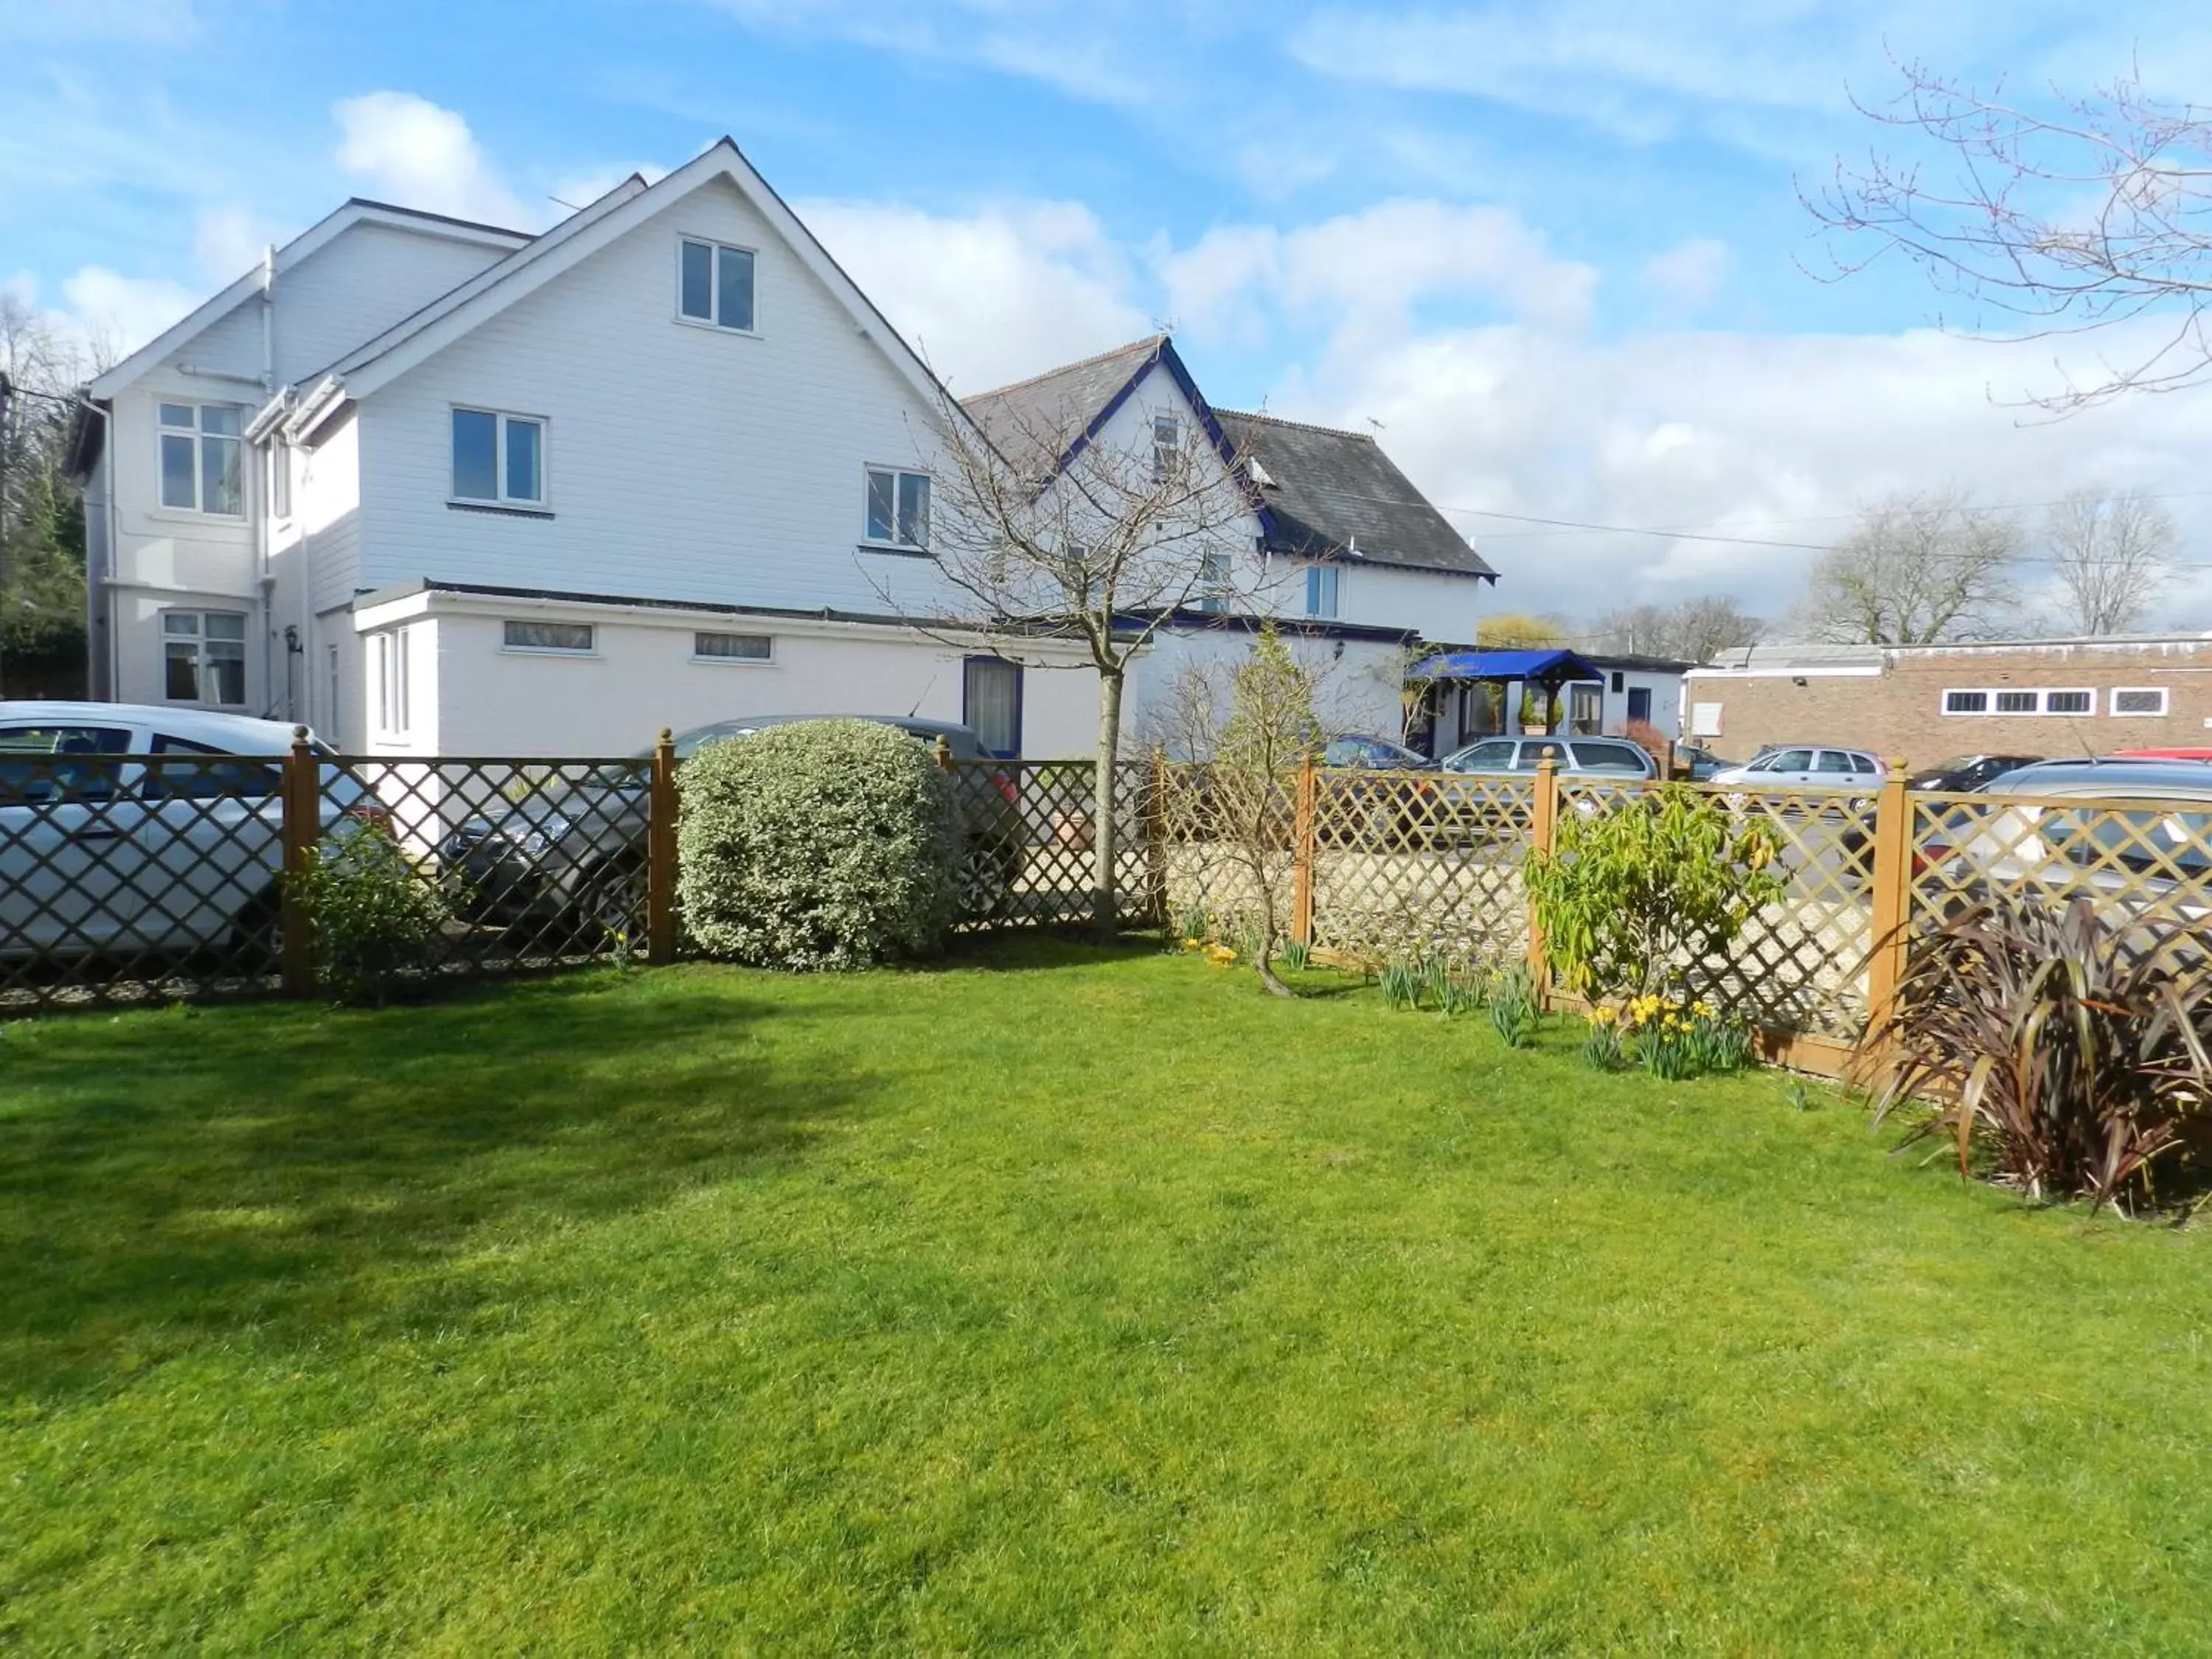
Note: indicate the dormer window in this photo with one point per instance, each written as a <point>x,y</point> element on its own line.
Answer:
<point>714,285</point>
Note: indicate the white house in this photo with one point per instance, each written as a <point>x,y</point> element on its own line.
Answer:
<point>439,487</point>
<point>1339,550</point>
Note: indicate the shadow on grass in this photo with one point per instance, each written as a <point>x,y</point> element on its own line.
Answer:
<point>172,1181</point>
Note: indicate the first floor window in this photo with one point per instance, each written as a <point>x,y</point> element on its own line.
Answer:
<point>204,657</point>
<point>498,458</point>
<point>733,648</point>
<point>201,460</point>
<point>394,685</point>
<point>2139,700</point>
<point>714,284</point>
<point>1322,590</point>
<point>991,701</point>
<point>574,638</point>
<point>898,508</point>
<point>1167,446</point>
<point>280,480</point>
<point>1214,578</point>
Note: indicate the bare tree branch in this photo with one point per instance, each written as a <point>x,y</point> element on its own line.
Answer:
<point>2113,555</point>
<point>1919,569</point>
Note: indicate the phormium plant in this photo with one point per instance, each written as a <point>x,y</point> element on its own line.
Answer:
<point>2034,1032</point>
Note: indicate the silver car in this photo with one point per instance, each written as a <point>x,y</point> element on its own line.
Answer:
<point>100,854</point>
<point>1577,757</point>
<point>1805,764</point>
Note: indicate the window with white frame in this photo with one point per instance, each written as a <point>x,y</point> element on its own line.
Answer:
<point>898,508</point>
<point>2021,699</point>
<point>1167,446</point>
<point>499,458</point>
<point>1213,579</point>
<point>280,479</point>
<point>714,284</point>
<point>553,638</point>
<point>204,657</point>
<point>733,648</point>
<point>203,462</point>
<point>394,682</point>
<point>1322,584</point>
<point>2137,700</point>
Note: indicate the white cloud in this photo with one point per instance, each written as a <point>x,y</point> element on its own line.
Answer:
<point>991,297</point>
<point>1685,277</point>
<point>1365,275</point>
<point>116,314</point>
<point>407,150</point>
<point>228,242</point>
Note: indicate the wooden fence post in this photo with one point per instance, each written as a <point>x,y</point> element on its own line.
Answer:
<point>660,854</point>
<point>303,829</point>
<point>1891,895</point>
<point>1302,837</point>
<point>1543,826</point>
<point>1156,837</point>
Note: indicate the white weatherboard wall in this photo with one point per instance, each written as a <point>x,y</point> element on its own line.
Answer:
<point>641,675</point>
<point>364,279</point>
<point>682,462</point>
<point>1357,690</point>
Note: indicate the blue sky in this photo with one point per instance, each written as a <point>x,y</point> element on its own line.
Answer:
<point>1554,251</point>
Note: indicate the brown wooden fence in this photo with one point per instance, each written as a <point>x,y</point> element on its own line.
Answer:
<point>1377,865</point>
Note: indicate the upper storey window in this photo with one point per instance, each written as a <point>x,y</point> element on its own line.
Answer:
<point>714,284</point>
<point>201,466</point>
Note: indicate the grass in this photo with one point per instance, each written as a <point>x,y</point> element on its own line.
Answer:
<point>1075,1300</point>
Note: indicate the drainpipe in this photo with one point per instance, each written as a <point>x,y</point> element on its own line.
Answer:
<point>264,580</point>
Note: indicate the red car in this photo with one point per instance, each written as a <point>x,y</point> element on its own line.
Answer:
<point>2163,754</point>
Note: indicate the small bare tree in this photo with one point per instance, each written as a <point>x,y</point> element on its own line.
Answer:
<point>1689,630</point>
<point>1236,808</point>
<point>1919,569</point>
<point>1043,530</point>
<point>2112,554</point>
<point>2076,215</point>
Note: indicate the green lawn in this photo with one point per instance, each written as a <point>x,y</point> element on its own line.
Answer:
<point>1069,1300</point>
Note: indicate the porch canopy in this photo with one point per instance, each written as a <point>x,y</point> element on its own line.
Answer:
<point>1545,668</point>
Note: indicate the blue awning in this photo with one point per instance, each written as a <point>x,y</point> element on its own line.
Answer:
<point>1555,667</point>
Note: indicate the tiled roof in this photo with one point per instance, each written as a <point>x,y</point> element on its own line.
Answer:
<point>1060,403</point>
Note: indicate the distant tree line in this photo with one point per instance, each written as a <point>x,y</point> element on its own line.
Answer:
<point>42,593</point>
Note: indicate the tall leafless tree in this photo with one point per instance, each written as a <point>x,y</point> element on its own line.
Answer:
<point>1918,569</point>
<point>1688,631</point>
<point>2069,214</point>
<point>42,609</point>
<point>2113,555</point>
<point>1043,530</point>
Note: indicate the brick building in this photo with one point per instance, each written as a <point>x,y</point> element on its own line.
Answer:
<point>1927,702</point>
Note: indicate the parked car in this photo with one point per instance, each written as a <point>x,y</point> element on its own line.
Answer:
<point>1584,757</point>
<point>1359,752</point>
<point>1698,763</point>
<point>2136,836</point>
<point>101,854</point>
<point>1964,774</point>
<point>576,854</point>
<point>1790,766</point>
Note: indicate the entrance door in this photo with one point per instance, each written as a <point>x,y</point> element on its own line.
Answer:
<point>1639,703</point>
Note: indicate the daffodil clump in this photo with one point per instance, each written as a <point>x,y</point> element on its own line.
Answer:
<point>1671,1039</point>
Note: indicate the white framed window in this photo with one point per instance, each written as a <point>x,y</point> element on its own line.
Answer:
<point>1322,583</point>
<point>499,458</point>
<point>2137,700</point>
<point>1214,572</point>
<point>280,479</point>
<point>204,657</point>
<point>548,638</point>
<point>391,670</point>
<point>2065,701</point>
<point>203,462</point>
<point>1167,446</point>
<point>714,284</point>
<point>733,648</point>
<point>898,507</point>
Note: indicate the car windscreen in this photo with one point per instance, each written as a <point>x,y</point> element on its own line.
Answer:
<point>2154,840</point>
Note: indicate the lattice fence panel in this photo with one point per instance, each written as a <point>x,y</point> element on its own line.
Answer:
<point>542,862</point>
<point>2145,864</point>
<point>1225,856</point>
<point>1030,839</point>
<point>128,878</point>
<point>1411,864</point>
<point>1801,963</point>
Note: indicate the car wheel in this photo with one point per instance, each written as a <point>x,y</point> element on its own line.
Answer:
<point>610,903</point>
<point>990,866</point>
